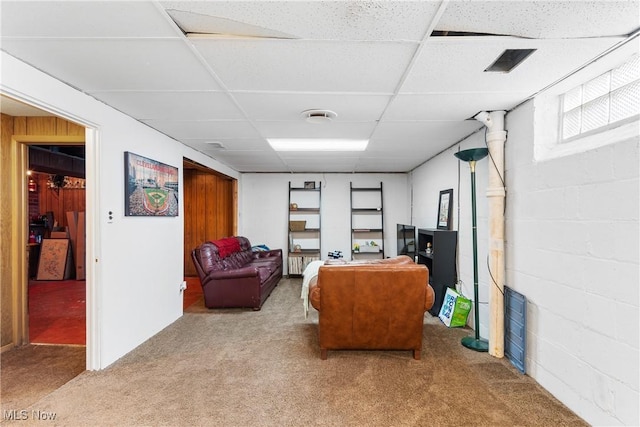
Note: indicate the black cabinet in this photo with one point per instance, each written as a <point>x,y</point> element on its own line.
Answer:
<point>437,250</point>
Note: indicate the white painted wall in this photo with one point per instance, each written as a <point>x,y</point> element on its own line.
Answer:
<point>571,249</point>
<point>265,207</point>
<point>443,172</point>
<point>138,263</point>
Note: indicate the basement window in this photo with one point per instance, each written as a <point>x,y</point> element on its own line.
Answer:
<point>605,102</point>
<point>597,105</point>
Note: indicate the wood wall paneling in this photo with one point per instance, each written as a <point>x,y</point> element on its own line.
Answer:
<point>224,208</point>
<point>207,205</point>
<point>19,126</point>
<point>42,126</point>
<point>6,243</point>
<point>75,129</point>
<point>52,126</point>
<point>59,202</point>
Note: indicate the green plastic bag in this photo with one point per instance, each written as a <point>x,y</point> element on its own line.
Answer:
<point>455,309</point>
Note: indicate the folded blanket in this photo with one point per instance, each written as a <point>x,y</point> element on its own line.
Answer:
<point>227,246</point>
<point>309,273</point>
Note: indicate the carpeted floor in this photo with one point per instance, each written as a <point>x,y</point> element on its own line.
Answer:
<point>31,372</point>
<point>245,368</point>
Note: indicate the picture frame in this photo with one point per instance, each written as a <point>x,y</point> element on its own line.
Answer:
<point>151,187</point>
<point>55,260</point>
<point>445,206</point>
<point>310,185</point>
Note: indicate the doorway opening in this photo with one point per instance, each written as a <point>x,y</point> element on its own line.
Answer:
<point>32,371</point>
<point>57,223</point>
<point>210,213</point>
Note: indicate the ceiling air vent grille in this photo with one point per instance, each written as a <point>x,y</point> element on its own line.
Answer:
<point>509,60</point>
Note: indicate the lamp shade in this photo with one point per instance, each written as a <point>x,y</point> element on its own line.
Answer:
<point>472,154</point>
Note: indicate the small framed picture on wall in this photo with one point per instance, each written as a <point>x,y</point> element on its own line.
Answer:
<point>445,205</point>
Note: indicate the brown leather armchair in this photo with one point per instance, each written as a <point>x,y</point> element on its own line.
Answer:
<point>372,306</point>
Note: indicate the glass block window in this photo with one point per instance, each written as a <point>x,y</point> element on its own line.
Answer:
<point>609,98</point>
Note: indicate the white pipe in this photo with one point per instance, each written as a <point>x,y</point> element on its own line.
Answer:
<point>495,139</point>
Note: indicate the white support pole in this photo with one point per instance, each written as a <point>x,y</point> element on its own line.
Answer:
<point>496,138</point>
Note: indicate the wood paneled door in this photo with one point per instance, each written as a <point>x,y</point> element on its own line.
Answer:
<point>209,208</point>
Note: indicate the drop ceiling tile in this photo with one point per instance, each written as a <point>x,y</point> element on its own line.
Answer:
<point>401,164</point>
<point>206,105</point>
<point>553,19</point>
<point>302,129</point>
<point>461,62</point>
<point>278,106</point>
<point>417,145</point>
<point>209,130</point>
<point>234,144</point>
<point>427,131</point>
<point>85,19</point>
<point>115,64</point>
<point>245,161</point>
<point>325,20</point>
<point>392,148</point>
<point>421,148</point>
<point>451,106</point>
<point>255,156</point>
<point>264,168</point>
<point>311,66</point>
<point>316,166</point>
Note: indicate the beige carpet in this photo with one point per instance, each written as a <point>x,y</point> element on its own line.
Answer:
<point>246,368</point>
<point>29,373</point>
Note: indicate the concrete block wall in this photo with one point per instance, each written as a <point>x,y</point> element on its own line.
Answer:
<point>572,249</point>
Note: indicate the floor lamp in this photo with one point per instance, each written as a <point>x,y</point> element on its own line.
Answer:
<point>471,156</point>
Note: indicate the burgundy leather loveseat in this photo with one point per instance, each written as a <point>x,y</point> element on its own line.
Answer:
<point>233,275</point>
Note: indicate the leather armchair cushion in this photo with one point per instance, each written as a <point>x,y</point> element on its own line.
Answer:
<point>314,295</point>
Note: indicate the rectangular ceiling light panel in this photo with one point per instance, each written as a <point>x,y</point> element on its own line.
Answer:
<point>317,144</point>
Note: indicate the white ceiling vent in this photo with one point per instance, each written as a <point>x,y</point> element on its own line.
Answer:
<point>215,145</point>
<point>318,116</point>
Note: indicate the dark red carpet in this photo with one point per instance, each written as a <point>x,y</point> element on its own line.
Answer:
<point>57,310</point>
